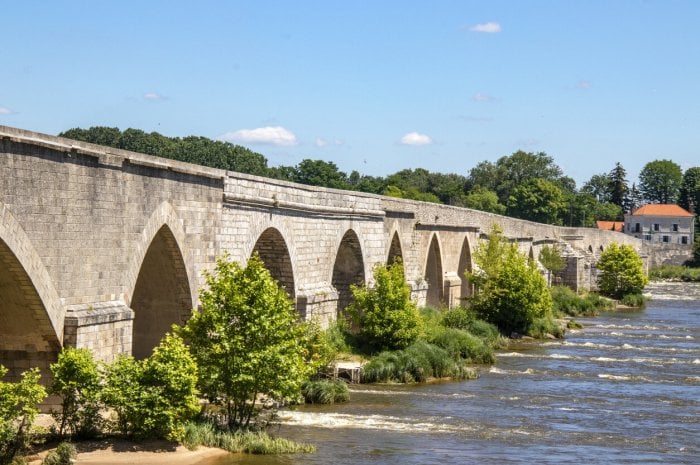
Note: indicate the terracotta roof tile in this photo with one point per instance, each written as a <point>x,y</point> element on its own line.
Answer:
<point>610,225</point>
<point>661,210</point>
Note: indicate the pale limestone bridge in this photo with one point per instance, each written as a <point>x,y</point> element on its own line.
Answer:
<point>105,249</point>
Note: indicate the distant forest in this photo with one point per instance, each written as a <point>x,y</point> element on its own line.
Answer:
<point>523,185</point>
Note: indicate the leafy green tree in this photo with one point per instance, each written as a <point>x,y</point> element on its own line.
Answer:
<point>512,294</point>
<point>485,200</point>
<point>246,340</point>
<point>320,173</point>
<point>690,190</point>
<point>155,397</point>
<point>634,199</point>
<point>77,380</point>
<point>19,406</point>
<point>552,261</point>
<point>621,271</point>
<point>618,186</point>
<point>385,314</point>
<point>538,200</point>
<point>660,181</point>
<point>599,187</point>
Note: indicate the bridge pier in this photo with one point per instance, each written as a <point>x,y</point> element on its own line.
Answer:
<point>105,328</point>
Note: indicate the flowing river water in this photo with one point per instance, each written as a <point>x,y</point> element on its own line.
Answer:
<point>625,389</point>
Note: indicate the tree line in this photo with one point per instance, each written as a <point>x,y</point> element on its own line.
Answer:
<point>523,185</point>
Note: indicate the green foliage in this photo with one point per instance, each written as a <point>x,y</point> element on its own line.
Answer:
<point>463,346</point>
<point>320,173</point>
<point>538,200</point>
<point>64,454</point>
<point>551,260</point>
<point>252,442</point>
<point>246,340</point>
<point>325,392</point>
<point>465,319</point>
<point>418,363</point>
<point>511,292</point>
<point>19,406</point>
<point>541,328</point>
<point>675,273</point>
<point>155,397</point>
<point>568,302</point>
<point>485,200</point>
<point>689,197</point>
<point>76,379</point>
<point>660,181</point>
<point>634,300</point>
<point>385,314</point>
<point>618,187</point>
<point>621,271</point>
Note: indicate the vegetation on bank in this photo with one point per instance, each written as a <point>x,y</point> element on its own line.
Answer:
<point>621,274</point>
<point>675,273</point>
<point>568,302</point>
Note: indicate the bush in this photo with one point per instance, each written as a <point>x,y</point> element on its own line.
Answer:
<point>209,435</point>
<point>512,294</point>
<point>64,454</point>
<point>633,300</point>
<point>386,316</point>
<point>621,271</point>
<point>568,302</point>
<point>76,378</point>
<point>325,392</point>
<point>156,397</point>
<point>675,273</point>
<point>545,327</point>
<point>417,363</point>
<point>463,346</point>
<point>464,318</point>
<point>19,406</point>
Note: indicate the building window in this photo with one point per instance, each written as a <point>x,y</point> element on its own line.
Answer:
<point>637,227</point>
<point>684,240</point>
<point>666,238</point>
<point>675,227</point>
<point>656,226</point>
<point>647,237</point>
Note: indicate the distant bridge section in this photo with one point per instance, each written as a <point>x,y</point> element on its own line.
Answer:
<point>105,249</point>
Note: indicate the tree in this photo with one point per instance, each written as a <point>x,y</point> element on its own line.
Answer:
<point>19,406</point>
<point>512,294</point>
<point>320,173</point>
<point>690,190</point>
<point>599,187</point>
<point>621,271</point>
<point>538,200</point>
<point>634,199</point>
<point>76,379</point>
<point>660,181</point>
<point>485,200</point>
<point>246,340</point>
<point>552,261</point>
<point>386,316</point>
<point>618,186</point>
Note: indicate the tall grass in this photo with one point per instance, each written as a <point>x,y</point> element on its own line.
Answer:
<point>568,302</point>
<point>634,300</point>
<point>325,392</point>
<point>252,442</point>
<point>460,344</point>
<point>465,319</point>
<point>675,273</point>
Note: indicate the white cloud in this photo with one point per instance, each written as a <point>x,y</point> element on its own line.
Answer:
<point>488,28</point>
<point>415,138</point>
<point>484,98</point>
<point>6,111</point>
<point>269,135</point>
<point>153,96</point>
<point>321,142</point>
<point>584,85</point>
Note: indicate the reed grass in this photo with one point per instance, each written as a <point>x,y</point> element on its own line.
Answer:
<point>251,442</point>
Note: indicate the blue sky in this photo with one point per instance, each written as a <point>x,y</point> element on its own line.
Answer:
<point>374,86</point>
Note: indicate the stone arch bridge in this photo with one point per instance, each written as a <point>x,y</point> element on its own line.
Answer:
<point>105,249</point>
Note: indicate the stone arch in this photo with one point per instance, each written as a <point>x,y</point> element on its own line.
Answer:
<point>531,254</point>
<point>464,266</point>
<point>31,315</point>
<point>433,274</point>
<point>590,248</point>
<point>161,292</point>
<point>348,268</point>
<point>395,250</point>
<point>273,251</point>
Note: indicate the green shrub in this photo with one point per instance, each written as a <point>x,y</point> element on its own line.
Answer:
<point>463,346</point>
<point>64,454</point>
<point>573,324</point>
<point>337,336</point>
<point>325,392</point>
<point>19,406</point>
<point>76,379</point>
<point>568,302</point>
<point>465,319</point>
<point>675,273</point>
<point>386,316</point>
<point>621,271</point>
<point>254,442</point>
<point>634,300</point>
<point>459,318</point>
<point>430,322</point>
<point>544,327</point>
<point>156,397</point>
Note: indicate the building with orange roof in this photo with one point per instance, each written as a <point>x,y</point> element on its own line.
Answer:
<point>617,226</point>
<point>667,223</point>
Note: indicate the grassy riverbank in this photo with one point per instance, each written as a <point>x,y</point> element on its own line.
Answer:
<point>675,273</point>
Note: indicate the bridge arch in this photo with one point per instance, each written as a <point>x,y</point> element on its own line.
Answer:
<point>31,315</point>
<point>348,268</point>
<point>433,273</point>
<point>395,249</point>
<point>274,253</point>
<point>162,293</point>
<point>465,266</point>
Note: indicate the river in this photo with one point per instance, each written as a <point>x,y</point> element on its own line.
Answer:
<point>625,389</point>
